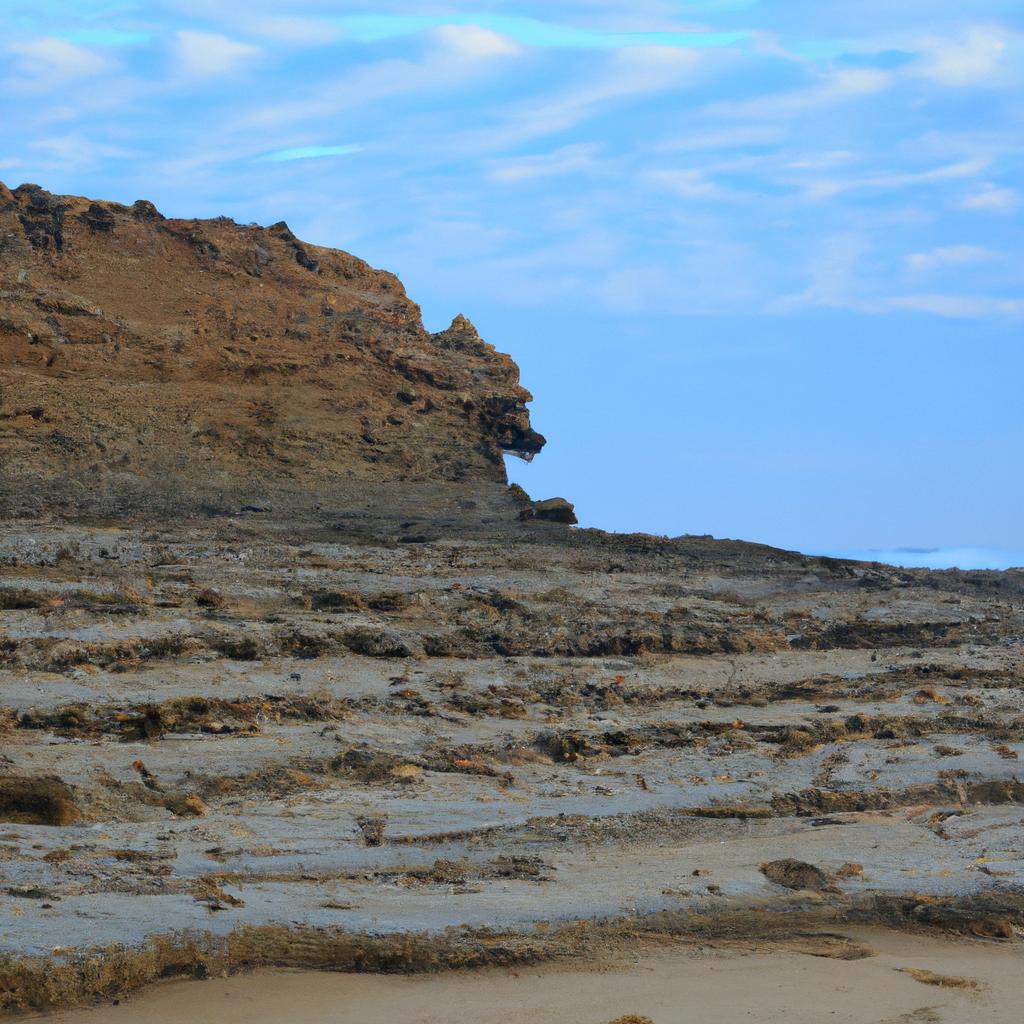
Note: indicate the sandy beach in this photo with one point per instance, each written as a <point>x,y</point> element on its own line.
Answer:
<point>969,982</point>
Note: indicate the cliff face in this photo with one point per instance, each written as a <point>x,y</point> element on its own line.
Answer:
<point>150,364</point>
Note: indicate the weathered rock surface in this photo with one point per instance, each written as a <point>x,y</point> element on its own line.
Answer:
<point>149,364</point>
<point>425,724</point>
<point>552,510</point>
<point>294,748</point>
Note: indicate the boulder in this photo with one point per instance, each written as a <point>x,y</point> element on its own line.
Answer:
<point>551,510</point>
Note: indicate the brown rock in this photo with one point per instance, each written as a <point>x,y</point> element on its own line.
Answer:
<point>181,366</point>
<point>372,830</point>
<point>37,801</point>
<point>794,874</point>
<point>552,510</point>
<point>186,806</point>
<point>850,870</point>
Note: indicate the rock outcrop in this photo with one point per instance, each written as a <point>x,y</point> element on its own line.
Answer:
<point>157,365</point>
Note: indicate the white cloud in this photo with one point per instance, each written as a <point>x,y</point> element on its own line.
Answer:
<point>969,61</point>
<point>688,184</point>
<point>829,188</point>
<point>834,271</point>
<point>838,87</point>
<point>476,42</point>
<point>77,152</point>
<point>292,29</point>
<point>949,256</point>
<point>992,198</point>
<point>959,306</point>
<point>459,54</point>
<point>567,160</point>
<point>724,138</point>
<point>43,63</point>
<point>818,161</point>
<point>631,72</point>
<point>201,54</point>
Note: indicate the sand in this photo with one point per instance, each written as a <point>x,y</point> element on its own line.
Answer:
<point>708,985</point>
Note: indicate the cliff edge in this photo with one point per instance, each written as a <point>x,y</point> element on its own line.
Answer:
<point>153,365</point>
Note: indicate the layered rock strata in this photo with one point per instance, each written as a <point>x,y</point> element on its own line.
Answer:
<point>156,365</point>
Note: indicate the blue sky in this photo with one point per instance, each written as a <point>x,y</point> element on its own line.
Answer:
<point>760,261</point>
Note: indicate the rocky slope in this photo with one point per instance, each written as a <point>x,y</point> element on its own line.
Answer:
<point>149,364</point>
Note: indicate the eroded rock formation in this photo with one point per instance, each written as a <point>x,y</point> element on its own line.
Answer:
<point>156,364</point>
<point>275,740</point>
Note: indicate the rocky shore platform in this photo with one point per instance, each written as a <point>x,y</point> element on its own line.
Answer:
<point>285,683</point>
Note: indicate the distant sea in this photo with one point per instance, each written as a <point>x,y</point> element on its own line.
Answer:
<point>937,558</point>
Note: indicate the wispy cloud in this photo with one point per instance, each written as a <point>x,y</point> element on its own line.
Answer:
<point>533,31</point>
<point>309,153</point>
<point>835,273</point>
<point>108,37</point>
<point>836,87</point>
<point>566,160</point>
<point>740,137</point>
<point>690,183</point>
<point>960,306</point>
<point>477,42</point>
<point>453,57</point>
<point>43,64</point>
<point>292,29</point>
<point>76,152</point>
<point>829,188</point>
<point>202,54</point>
<point>949,256</point>
<point>975,58</point>
<point>625,76</point>
<point>993,199</point>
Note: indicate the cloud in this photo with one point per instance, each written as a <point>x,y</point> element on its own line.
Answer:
<point>476,42</point>
<point>308,153</point>
<point>455,57</point>
<point>834,272</point>
<point>972,60</point>
<point>202,54</point>
<point>949,256</point>
<point>108,37</point>
<point>818,161</point>
<point>993,199</point>
<point>829,188</point>
<point>372,28</point>
<point>567,160</point>
<point>740,137</point>
<point>297,30</point>
<point>630,73</point>
<point>837,87</point>
<point>960,306</point>
<point>76,152</point>
<point>688,184</point>
<point>49,62</point>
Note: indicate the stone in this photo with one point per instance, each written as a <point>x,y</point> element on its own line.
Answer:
<point>551,510</point>
<point>201,366</point>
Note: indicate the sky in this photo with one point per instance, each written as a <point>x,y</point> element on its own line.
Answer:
<point>760,262</point>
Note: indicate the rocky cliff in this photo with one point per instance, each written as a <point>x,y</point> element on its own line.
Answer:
<point>159,365</point>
